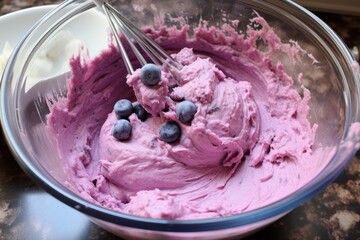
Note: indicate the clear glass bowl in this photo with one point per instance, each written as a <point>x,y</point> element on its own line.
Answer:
<point>334,105</point>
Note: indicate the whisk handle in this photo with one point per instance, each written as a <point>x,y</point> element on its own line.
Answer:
<point>99,3</point>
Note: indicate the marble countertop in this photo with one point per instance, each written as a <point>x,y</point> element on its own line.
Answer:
<point>28,212</point>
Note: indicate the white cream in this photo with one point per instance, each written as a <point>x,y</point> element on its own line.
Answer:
<point>54,56</point>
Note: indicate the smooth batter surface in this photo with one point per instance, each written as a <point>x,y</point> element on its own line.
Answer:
<point>249,144</point>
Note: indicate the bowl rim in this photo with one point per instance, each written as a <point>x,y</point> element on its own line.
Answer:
<point>239,220</point>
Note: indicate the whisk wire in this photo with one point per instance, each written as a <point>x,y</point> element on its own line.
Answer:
<point>127,33</point>
<point>147,41</point>
<point>126,59</point>
<point>134,36</point>
<point>142,41</point>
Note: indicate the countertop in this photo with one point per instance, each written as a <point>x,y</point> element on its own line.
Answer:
<point>28,212</point>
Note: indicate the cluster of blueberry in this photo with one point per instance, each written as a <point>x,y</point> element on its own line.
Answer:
<point>170,131</point>
<point>123,109</point>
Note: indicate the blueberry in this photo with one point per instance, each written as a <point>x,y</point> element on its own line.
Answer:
<point>140,112</point>
<point>150,74</point>
<point>123,108</point>
<point>122,129</point>
<point>169,132</point>
<point>185,111</point>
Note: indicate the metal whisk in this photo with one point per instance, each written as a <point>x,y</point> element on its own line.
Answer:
<point>120,24</point>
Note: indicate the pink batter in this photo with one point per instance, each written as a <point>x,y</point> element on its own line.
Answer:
<point>249,144</point>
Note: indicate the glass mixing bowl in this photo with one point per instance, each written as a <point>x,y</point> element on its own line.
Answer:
<point>334,84</point>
